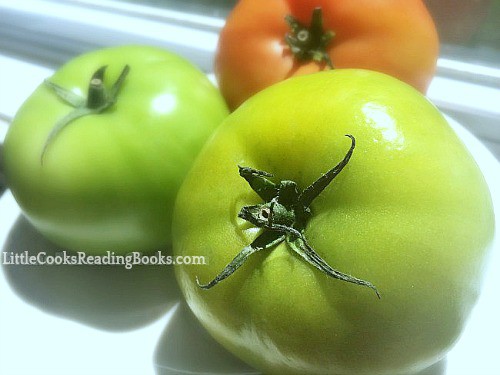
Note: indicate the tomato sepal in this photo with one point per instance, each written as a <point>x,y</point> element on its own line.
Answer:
<point>99,99</point>
<point>309,42</point>
<point>283,217</point>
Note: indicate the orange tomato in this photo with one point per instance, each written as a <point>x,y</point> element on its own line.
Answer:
<point>257,46</point>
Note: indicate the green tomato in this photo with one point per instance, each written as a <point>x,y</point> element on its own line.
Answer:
<point>408,215</point>
<point>106,177</point>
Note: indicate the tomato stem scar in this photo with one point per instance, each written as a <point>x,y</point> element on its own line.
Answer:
<point>309,42</point>
<point>283,217</point>
<point>99,98</point>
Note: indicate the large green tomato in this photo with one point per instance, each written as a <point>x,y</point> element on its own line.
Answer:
<point>107,179</point>
<point>409,216</point>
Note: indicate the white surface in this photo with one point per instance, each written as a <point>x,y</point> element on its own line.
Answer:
<point>102,320</point>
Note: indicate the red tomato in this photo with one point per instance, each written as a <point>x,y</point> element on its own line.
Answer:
<point>395,37</point>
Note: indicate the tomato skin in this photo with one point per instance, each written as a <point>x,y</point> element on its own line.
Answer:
<point>108,181</point>
<point>395,37</point>
<point>410,213</point>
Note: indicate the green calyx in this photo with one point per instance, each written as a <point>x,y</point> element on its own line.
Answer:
<point>309,42</point>
<point>283,217</point>
<point>99,98</point>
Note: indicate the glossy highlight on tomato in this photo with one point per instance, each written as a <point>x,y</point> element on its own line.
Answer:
<point>395,37</point>
<point>107,179</point>
<point>410,213</point>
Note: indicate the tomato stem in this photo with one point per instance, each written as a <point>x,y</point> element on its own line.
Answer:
<point>96,96</point>
<point>99,98</point>
<point>309,42</point>
<point>283,217</point>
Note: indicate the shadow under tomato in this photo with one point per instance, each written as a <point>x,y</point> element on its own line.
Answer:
<point>106,297</point>
<point>438,368</point>
<point>185,347</point>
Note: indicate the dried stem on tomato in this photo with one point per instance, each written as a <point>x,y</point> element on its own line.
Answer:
<point>99,98</point>
<point>283,217</point>
<point>309,42</point>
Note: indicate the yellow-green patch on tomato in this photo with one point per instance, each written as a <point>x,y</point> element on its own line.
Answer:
<point>107,181</point>
<point>409,213</point>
